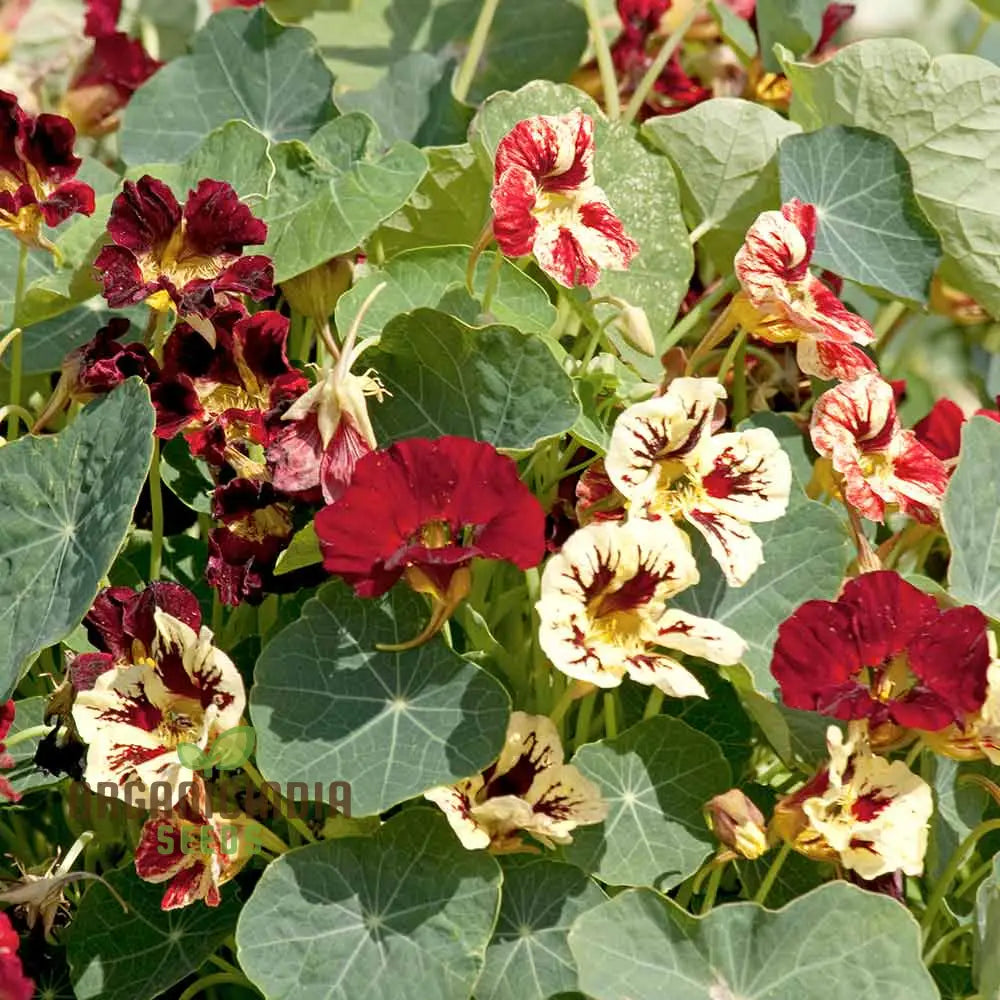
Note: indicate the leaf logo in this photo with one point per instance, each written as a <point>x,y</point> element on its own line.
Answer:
<point>229,752</point>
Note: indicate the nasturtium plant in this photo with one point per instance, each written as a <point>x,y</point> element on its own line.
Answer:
<point>500,500</point>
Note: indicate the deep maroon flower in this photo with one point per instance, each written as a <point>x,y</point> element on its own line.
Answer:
<point>116,67</point>
<point>104,362</point>
<point>101,17</point>
<point>256,526</point>
<point>425,508</point>
<point>884,651</point>
<point>7,711</point>
<point>189,259</point>
<point>37,166</point>
<point>221,396</point>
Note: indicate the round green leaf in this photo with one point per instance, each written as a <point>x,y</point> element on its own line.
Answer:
<point>971,518</point>
<point>944,115</point>
<point>835,943</point>
<point>529,956</point>
<point>240,66</point>
<point>406,913</point>
<point>725,154</point>
<point>327,706</point>
<point>490,383</point>
<point>67,502</point>
<point>421,278</point>
<point>114,955</point>
<point>806,553</point>
<point>655,777</point>
<point>871,229</point>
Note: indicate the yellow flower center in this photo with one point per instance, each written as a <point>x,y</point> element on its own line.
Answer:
<point>559,208</point>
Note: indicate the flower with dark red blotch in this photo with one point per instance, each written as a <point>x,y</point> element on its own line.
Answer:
<point>14,984</point>
<point>666,461</point>
<point>884,651</point>
<point>255,527</point>
<point>940,432</point>
<point>116,67</point>
<point>528,790</point>
<point>37,167</point>
<point>866,813</point>
<point>101,17</point>
<point>157,681</point>
<point>222,396</point>
<point>782,302</point>
<point>546,203</point>
<point>7,712</point>
<point>193,853</point>
<point>423,508</point>
<point>189,259</point>
<point>855,425</point>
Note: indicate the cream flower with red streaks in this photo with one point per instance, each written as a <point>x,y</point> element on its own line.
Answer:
<point>603,609</point>
<point>855,425</point>
<point>665,460</point>
<point>868,814</point>
<point>545,201</point>
<point>528,790</point>
<point>781,301</point>
<point>182,688</point>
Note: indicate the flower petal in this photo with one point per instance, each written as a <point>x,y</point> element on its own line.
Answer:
<point>732,542</point>
<point>700,637</point>
<point>747,474</point>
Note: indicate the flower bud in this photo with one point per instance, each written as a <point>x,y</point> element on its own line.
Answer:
<point>738,823</point>
<point>315,293</point>
<point>633,325</point>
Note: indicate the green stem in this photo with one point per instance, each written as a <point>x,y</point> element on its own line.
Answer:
<point>27,734</point>
<point>944,941</point>
<point>772,873</point>
<point>712,889</point>
<point>739,392</point>
<point>609,79</point>
<point>729,359</point>
<point>939,891</point>
<point>610,719</point>
<point>584,716</point>
<point>17,347</point>
<point>562,706</point>
<point>699,311</point>
<point>156,508</point>
<point>492,281</point>
<point>467,71</point>
<point>979,34</point>
<point>654,703</point>
<point>659,63</point>
<point>975,878</point>
<point>293,821</point>
<point>216,979</point>
<point>224,965</point>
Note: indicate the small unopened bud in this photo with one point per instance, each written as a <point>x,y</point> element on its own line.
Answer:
<point>315,292</point>
<point>738,823</point>
<point>634,326</point>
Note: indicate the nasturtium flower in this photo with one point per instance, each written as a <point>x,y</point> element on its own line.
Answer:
<point>195,854</point>
<point>37,167</point>
<point>187,259</point>
<point>546,203</point>
<point>423,509</point>
<point>14,984</point>
<point>862,811</point>
<point>101,17</point>
<point>884,651</point>
<point>666,461</point>
<point>781,301</point>
<point>855,425</point>
<point>603,610</point>
<point>738,824</point>
<point>157,680</point>
<point>940,432</point>
<point>529,790</point>
<point>7,712</point>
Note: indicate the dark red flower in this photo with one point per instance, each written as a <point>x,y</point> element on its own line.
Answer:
<point>426,508</point>
<point>835,17</point>
<point>101,17</point>
<point>256,526</point>
<point>103,363</point>
<point>37,165</point>
<point>884,651</point>
<point>221,396</point>
<point>186,258</point>
<point>116,67</point>
<point>941,430</point>
<point>7,712</point>
<point>14,985</point>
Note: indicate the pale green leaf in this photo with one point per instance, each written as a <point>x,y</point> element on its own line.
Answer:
<point>404,914</point>
<point>303,550</point>
<point>656,777</point>
<point>986,964</point>
<point>67,502</point>
<point>795,24</point>
<point>328,706</point>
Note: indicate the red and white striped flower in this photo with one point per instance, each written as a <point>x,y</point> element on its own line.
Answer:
<point>855,425</point>
<point>782,302</point>
<point>603,609</point>
<point>528,790</point>
<point>170,685</point>
<point>545,201</point>
<point>666,461</point>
